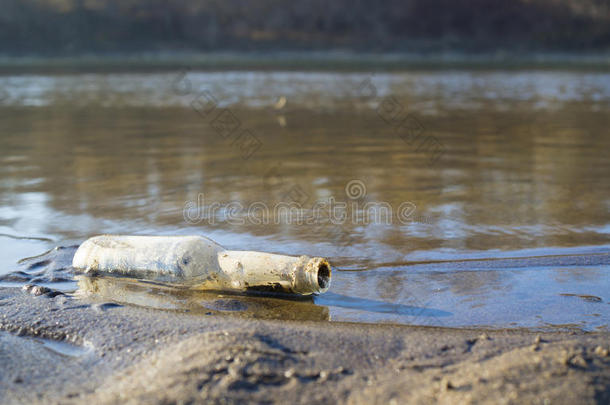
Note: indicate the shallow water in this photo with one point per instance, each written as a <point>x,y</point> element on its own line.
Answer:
<point>53,346</point>
<point>497,184</point>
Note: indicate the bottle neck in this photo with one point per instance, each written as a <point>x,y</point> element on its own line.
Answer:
<point>271,272</point>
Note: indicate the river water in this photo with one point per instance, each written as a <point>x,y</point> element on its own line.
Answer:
<point>460,198</point>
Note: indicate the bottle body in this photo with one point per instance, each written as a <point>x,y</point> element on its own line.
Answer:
<point>201,263</point>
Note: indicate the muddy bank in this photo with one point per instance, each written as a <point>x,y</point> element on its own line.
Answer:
<point>115,353</point>
<point>305,61</point>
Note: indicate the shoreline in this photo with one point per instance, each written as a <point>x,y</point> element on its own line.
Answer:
<point>333,305</point>
<point>119,352</point>
<point>303,61</point>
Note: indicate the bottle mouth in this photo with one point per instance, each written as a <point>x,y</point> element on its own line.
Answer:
<point>324,275</point>
<point>317,273</point>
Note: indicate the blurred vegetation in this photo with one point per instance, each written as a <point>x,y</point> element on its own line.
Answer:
<point>66,27</point>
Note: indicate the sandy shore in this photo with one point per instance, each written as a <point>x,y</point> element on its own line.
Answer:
<point>111,353</point>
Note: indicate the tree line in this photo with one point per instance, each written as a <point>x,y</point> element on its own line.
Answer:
<point>59,27</point>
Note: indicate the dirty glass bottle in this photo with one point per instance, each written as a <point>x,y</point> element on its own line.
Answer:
<point>201,263</point>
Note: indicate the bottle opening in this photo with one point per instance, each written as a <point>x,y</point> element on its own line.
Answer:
<point>323,275</point>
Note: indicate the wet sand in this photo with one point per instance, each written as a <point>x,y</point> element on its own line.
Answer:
<point>132,354</point>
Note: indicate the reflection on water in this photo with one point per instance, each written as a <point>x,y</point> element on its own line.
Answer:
<point>199,302</point>
<point>524,173</point>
